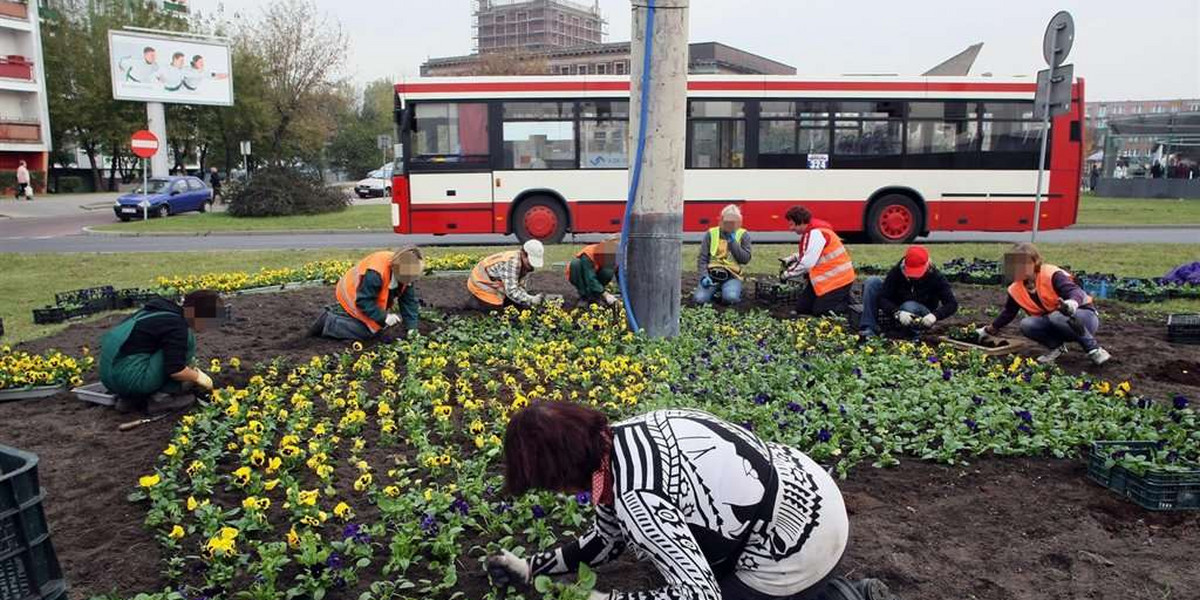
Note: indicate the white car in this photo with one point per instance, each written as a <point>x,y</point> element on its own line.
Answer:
<point>377,183</point>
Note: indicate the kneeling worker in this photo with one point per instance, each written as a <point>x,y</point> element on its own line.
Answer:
<point>826,261</point>
<point>1059,310</point>
<point>914,292</point>
<point>146,359</point>
<point>366,292</point>
<point>724,252</point>
<point>500,278</point>
<point>592,269</point>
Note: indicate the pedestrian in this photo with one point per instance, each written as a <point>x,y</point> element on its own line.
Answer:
<point>914,293</point>
<point>367,291</point>
<point>214,181</point>
<point>146,360</point>
<point>721,513</point>
<point>1093,177</point>
<point>724,252</point>
<point>592,269</point>
<point>23,190</point>
<point>499,279</point>
<point>824,259</point>
<point>1059,310</point>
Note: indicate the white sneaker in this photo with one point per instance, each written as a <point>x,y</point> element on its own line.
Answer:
<point>1051,356</point>
<point>1099,356</point>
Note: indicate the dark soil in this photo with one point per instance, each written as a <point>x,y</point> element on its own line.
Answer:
<point>1001,528</point>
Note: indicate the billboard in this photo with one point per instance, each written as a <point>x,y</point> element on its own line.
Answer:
<point>157,68</point>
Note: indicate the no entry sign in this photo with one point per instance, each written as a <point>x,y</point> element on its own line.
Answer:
<point>144,144</point>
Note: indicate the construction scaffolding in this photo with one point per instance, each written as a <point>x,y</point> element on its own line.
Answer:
<point>536,25</point>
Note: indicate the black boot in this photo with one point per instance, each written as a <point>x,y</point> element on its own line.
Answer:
<point>318,326</point>
<point>840,588</point>
<point>873,589</point>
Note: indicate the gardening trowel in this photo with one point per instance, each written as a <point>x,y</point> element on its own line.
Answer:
<point>1074,324</point>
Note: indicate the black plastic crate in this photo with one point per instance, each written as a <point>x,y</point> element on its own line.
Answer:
<point>1183,329</point>
<point>86,295</point>
<point>1154,490</point>
<point>983,278</point>
<point>29,569</point>
<point>1,327</point>
<point>774,292</point>
<point>50,314</point>
<point>1138,296</point>
<point>133,298</point>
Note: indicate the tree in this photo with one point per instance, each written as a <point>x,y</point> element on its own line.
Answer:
<point>303,57</point>
<point>512,63</point>
<point>83,112</point>
<point>354,148</point>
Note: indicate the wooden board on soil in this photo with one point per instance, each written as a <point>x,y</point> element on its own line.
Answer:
<point>1006,345</point>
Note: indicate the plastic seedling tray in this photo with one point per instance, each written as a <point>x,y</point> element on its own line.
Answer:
<point>1183,329</point>
<point>29,569</point>
<point>31,393</point>
<point>95,393</point>
<point>1012,345</point>
<point>1156,489</point>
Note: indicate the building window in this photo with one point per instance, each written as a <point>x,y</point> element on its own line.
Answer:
<point>619,68</point>
<point>583,69</point>
<point>602,69</point>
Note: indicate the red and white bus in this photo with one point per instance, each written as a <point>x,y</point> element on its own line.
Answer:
<point>890,157</point>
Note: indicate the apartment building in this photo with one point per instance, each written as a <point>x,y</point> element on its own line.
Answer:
<point>24,113</point>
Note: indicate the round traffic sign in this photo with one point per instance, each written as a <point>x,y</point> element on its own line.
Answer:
<point>144,144</point>
<point>1060,36</point>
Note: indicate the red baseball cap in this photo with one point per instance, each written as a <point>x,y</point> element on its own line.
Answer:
<point>916,262</point>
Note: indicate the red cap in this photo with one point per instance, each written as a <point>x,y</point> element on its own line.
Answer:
<point>916,262</point>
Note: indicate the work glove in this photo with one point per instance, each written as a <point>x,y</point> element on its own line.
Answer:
<point>609,299</point>
<point>203,380</point>
<point>536,299</point>
<point>392,320</point>
<point>706,282</point>
<point>984,333</point>
<point>1069,307</point>
<point>594,595</point>
<point>928,320</point>
<point>507,569</point>
<point>905,317</point>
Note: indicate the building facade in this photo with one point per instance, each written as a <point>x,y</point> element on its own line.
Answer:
<point>612,59</point>
<point>535,25</point>
<point>24,112</point>
<point>1138,146</point>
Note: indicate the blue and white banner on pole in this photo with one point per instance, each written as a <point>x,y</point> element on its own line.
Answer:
<point>158,68</point>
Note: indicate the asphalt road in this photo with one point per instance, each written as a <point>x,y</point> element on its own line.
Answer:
<point>61,234</point>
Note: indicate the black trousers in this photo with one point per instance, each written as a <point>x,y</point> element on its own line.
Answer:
<point>732,588</point>
<point>834,302</point>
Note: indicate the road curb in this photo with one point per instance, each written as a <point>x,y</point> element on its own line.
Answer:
<point>89,230</point>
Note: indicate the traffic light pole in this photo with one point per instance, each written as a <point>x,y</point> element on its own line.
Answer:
<point>658,112</point>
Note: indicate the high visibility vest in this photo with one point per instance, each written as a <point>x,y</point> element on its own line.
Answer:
<point>1048,300</point>
<point>719,254</point>
<point>482,285</point>
<point>833,269</point>
<point>347,286</point>
<point>593,252</point>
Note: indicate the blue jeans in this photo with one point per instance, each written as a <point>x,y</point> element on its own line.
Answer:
<point>1054,330</point>
<point>870,315</point>
<point>731,292</point>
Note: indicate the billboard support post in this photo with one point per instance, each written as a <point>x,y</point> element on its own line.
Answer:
<point>156,122</point>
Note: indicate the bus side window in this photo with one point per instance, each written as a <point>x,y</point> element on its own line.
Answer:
<point>450,133</point>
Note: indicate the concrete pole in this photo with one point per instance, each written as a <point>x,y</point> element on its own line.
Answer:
<point>656,225</point>
<point>156,122</point>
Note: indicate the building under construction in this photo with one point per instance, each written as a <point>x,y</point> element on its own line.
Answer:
<point>535,25</point>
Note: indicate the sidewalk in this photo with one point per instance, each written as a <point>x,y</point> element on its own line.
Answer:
<point>56,205</point>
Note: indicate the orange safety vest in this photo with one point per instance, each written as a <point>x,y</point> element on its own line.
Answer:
<point>1048,299</point>
<point>833,269</point>
<point>347,286</point>
<point>482,285</point>
<point>592,252</point>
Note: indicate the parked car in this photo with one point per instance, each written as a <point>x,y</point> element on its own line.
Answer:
<point>377,183</point>
<point>165,196</point>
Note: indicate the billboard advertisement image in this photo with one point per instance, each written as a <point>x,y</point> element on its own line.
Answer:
<point>153,68</point>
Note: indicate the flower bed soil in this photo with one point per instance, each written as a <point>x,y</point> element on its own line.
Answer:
<point>1000,528</point>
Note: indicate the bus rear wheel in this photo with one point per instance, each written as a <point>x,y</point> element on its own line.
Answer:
<point>540,218</point>
<point>894,219</point>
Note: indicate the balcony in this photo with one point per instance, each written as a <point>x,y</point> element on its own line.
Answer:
<point>14,10</point>
<point>23,131</point>
<point>15,66</point>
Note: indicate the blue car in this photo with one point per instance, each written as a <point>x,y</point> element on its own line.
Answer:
<point>167,196</point>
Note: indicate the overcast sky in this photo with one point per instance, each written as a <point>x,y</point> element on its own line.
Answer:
<point>1125,50</point>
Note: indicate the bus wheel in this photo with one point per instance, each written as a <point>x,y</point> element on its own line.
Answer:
<point>540,218</point>
<point>894,219</point>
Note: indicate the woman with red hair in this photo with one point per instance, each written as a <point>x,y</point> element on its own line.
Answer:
<point>720,513</point>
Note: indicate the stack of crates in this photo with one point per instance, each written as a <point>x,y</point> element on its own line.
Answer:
<point>28,566</point>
